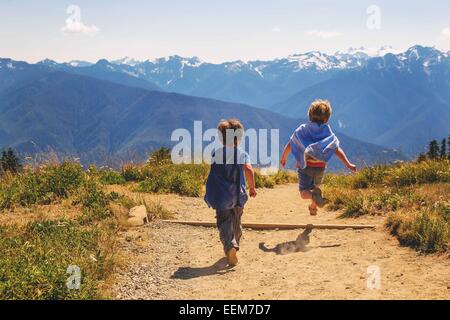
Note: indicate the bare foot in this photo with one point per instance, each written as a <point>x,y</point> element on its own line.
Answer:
<point>232,257</point>
<point>312,210</point>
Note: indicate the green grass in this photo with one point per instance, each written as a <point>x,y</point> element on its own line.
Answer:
<point>410,194</point>
<point>270,181</point>
<point>159,175</point>
<point>183,179</point>
<point>95,203</point>
<point>111,177</point>
<point>406,174</point>
<point>34,259</point>
<point>133,173</point>
<point>42,186</point>
<point>427,231</point>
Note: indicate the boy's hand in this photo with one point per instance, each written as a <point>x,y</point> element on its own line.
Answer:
<point>352,167</point>
<point>283,162</point>
<point>252,192</point>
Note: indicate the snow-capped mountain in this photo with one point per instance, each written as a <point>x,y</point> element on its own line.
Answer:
<point>80,63</point>
<point>416,57</point>
<point>127,60</point>
<point>258,82</point>
<point>8,64</point>
<point>369,52</point>
<point>380,96</point>
<point>397,100</point>
<point>314,60</point>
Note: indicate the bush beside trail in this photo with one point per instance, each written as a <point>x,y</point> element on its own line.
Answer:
<point>414,195</point>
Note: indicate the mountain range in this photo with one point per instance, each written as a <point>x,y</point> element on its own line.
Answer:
<point>100,120</point>
<point>395,99</point>
<point>398,100</point>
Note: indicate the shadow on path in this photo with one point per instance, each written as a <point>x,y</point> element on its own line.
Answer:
<point>185,273</point>
<point>299,245</point>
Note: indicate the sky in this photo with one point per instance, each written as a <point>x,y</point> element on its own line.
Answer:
<point>215,31</point>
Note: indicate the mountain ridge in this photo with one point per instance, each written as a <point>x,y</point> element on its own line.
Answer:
<point>101,121</point>
<point>388,100</point>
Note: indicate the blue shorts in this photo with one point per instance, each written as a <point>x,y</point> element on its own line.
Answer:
<point>310,178</point>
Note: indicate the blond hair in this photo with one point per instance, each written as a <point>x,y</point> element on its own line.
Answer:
<point>320,111</point>
<point>232,126</point>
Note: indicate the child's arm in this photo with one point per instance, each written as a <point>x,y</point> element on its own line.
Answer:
<point>250,177</point>
<point>341,156</point>
<point>286,151</point>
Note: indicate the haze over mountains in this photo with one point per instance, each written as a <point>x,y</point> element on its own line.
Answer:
<point>111,108</point>
<point>102,121</point>
<point>380,96</point>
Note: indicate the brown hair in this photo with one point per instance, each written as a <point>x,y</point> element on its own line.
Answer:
<point>320,111</point>
<point>232,126</point>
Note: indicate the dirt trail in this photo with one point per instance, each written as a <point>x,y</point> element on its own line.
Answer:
<point>167,261</point>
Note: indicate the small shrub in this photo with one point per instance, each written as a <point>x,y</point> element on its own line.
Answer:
<point>355,205</point>
<point>183,179</point>
<point>282,177</point>
<point>369,177</point>
<point>111,177</point>
<point>176,182</point>
<point>123,200</point>
<point>95,203</point>
<point>63,179</point>
<point>270,180</point>
<point>157,211</point>
<point>131,173</point>
<point>41,186</point>
<point>160,157</point>
<point>426,231</point>
<point>263,181</point>
<point>418,173</point>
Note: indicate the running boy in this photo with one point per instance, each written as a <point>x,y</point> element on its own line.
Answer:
<point>225,187</point>
<point>312,145</point>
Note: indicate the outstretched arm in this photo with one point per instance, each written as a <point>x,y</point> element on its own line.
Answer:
<point>343,157</point>
<point>286,151</point>
<point>250,177</point>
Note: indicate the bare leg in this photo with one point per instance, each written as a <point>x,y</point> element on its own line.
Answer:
<point>307,195</point>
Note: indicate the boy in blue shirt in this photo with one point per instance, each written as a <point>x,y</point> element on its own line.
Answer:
<point>313,144</point>
<point>225,186</point>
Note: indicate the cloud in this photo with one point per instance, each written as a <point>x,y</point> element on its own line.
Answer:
<point>446,32</point>
<point>323,34</point>
<point>72,27</point>
<point>276,29</point>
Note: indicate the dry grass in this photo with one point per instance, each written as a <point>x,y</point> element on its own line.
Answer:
<point>54,216</point>
<point>414,196</point>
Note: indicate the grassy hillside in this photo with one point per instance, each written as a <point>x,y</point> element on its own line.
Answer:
<point>57,215</point>
<point>53,217</point>
<point>413,196</point>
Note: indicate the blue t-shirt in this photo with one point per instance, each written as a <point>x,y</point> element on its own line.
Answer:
<point>225,187</point>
